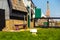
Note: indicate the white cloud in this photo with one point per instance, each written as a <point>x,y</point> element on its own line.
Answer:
<point>42,15</point>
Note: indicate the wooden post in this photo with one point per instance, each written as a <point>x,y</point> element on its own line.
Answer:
<point>24,20</point>
<point>27,20</point>
<point>33,23</point>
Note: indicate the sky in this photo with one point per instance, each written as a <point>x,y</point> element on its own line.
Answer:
<point>54,6</point>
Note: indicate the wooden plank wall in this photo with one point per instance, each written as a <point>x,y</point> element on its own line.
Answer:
<point>10,24</point>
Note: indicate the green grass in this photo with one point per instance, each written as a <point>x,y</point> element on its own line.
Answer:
<point>42,34</point>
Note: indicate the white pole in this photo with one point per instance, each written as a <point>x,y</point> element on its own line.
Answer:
<point>30,10</point>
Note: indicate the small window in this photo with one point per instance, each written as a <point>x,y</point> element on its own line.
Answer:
<point>29,0</point>
<point>19,1</point>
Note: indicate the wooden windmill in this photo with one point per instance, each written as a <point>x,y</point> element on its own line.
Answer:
<point>48,10</point>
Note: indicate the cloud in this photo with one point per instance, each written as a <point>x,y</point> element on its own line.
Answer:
<point>42,15</point>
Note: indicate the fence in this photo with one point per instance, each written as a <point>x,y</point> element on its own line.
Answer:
<point>52,22</point>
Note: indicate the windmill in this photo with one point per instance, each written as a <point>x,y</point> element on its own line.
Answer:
<point>48,10</point>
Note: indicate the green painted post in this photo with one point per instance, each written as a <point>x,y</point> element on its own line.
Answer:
<point>28,21</point>
<point>28,8</point>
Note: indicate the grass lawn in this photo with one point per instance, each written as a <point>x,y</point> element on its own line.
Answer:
<point>42,34</point>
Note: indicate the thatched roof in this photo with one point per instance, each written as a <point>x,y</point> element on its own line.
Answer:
<point>18,5</point>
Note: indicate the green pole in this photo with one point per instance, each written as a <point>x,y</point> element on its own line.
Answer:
<point>28,21</point>
<point>28,16</point>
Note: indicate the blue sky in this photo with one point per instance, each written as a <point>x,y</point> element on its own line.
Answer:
<point>54,6</point>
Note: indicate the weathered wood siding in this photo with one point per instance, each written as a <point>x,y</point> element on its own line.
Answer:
<point>4,5</point>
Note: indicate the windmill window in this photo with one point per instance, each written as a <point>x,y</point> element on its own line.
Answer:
<point>19,1</point>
